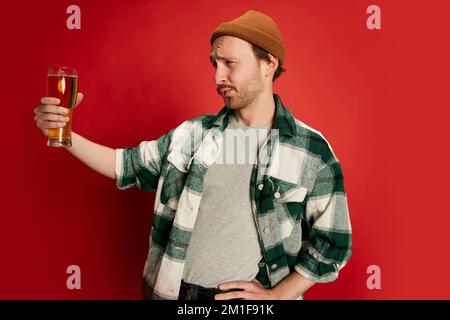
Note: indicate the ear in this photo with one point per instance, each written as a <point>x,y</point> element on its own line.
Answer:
<point>270,66</point>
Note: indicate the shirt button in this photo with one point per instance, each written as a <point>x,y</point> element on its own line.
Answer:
<point>260,186</point>
<point>277,195</point>
<point>266,230</point>
<point>274,266</point>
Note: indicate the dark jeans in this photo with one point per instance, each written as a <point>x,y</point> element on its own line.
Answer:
<point>188,292</point>
<point>195,292</point>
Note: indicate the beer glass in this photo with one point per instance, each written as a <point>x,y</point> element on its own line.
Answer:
<point>62,83</point>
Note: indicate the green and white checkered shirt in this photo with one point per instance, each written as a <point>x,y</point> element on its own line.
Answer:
<point>296,189</point>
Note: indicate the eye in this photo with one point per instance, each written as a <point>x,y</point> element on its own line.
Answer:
<point>228,62</point>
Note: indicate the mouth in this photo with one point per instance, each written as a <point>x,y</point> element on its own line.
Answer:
<point>225,92</point>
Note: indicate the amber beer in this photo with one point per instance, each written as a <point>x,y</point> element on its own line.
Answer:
<point>62,83</point>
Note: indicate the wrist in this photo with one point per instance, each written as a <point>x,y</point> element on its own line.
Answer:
<point>279,293</point>
<point>276,294</point>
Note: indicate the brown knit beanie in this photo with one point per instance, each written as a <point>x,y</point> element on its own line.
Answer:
<point>254,27</point>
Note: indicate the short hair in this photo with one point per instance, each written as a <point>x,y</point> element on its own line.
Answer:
<point>262,54</point>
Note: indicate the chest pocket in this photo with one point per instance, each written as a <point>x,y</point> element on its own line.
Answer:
<point>294,203</point>
<point>289,205</point>
<point>288,198</point>
<point>295,194</point>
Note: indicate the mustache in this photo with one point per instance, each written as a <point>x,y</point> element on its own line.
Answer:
<point>225,86</point>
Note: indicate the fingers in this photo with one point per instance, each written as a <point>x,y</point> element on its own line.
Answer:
<point>50,105</point>
<point>242,290</point>
<point>51,109</point>
<point>50,100</point>
<point>52,117</point>
<point>234,295</point>
<point>80,97</point>
<point>50,124</point>
<point>236,285</point>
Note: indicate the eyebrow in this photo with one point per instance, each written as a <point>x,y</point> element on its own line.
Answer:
<point>213,57</point>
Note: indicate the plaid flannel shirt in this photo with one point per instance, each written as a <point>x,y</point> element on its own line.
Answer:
<point>297,193</point>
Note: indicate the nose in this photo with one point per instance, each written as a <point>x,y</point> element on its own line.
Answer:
<point>220,75</point>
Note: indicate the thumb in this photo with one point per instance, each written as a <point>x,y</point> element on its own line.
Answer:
<point>79,98</point>
<point>257,282</point>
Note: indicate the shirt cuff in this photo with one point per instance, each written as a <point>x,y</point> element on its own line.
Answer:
<point>119,168</point>
<point>312,269</point>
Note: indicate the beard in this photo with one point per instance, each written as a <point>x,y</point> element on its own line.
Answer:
<point>240,99</point>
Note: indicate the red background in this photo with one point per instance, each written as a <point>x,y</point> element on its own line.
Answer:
<point>379,97</point>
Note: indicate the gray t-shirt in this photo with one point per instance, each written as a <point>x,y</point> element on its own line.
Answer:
<point>225,245</point>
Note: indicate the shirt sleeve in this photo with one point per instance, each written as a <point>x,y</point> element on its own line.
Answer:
<point>329,241</point>
<point>140,166</point>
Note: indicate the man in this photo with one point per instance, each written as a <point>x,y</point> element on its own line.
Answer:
<point>268,228</point>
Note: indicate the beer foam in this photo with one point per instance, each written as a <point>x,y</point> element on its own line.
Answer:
<point>62,75</point>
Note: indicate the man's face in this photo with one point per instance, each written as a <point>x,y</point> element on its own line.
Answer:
<point>237,74</point>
